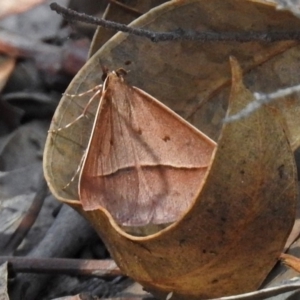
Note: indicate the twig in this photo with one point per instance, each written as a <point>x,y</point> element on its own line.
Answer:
<point>48,58</point>
<point>63,266</point>
<point>265,293</point>
<point>260,99</point>
<point>178,34</point>
<point>29,218</point>
<point>67,235</point>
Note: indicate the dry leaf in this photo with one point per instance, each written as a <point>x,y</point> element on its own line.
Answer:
<point>30,18</point>
<point>9,115</point>
<point>119,14</point>
<point>250,184</point>
<point>17,188</point>
<point>7,66</point>
<point>168,70</point>
<point>291,261</point>
<point>223,239</point>
<point>16,6</point>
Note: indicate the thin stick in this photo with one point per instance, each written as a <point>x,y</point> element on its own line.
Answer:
<point>82,267</point>
<point>179,34</point>
<point>261,99</point>
<point>29,218</point>
<point>66,236</point>
<point>265,293</point>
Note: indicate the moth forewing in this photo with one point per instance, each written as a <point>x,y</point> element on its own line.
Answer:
<point>144,163</point>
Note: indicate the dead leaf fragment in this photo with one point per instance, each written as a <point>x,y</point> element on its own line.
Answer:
<point>199,91</point>
<point>7,65</point>
<point>251,183</point>
<point>15,6</point>
<point>117,13</point>
<point>291,261</point>
<point>9,115</point>
<point>168,72</point>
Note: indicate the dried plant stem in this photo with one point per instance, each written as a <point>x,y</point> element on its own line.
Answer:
<point>63,266</point>
<point>265,293</point>
<point>65,238</point>
<point>29,218</point>
<point>178,34</point>
<point>260,99</point>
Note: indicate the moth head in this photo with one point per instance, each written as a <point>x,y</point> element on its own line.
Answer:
<point>121,73</point>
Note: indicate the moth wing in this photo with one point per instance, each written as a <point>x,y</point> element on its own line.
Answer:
<point>144,163</point>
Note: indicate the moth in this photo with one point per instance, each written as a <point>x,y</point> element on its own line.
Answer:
<point>144,164</point>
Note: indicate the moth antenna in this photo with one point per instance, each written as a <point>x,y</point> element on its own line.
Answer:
<point>77,171</point>
<point>94,89</point>
<point>83,114</point>
<point>121,72</point>
<point>66,126</point>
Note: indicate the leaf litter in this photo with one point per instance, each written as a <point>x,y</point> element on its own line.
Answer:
<point>155,71</point>
<point>23,129</point>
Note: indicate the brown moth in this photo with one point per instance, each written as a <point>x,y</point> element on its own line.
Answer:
<point>144,164</point>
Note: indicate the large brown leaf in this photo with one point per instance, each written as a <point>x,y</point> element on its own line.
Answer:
<point>193,78</point>
<point>116,13</point>
<point>225,244</point>
<point>231,237</point>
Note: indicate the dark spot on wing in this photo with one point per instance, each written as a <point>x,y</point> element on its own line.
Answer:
<point>139,131</point>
